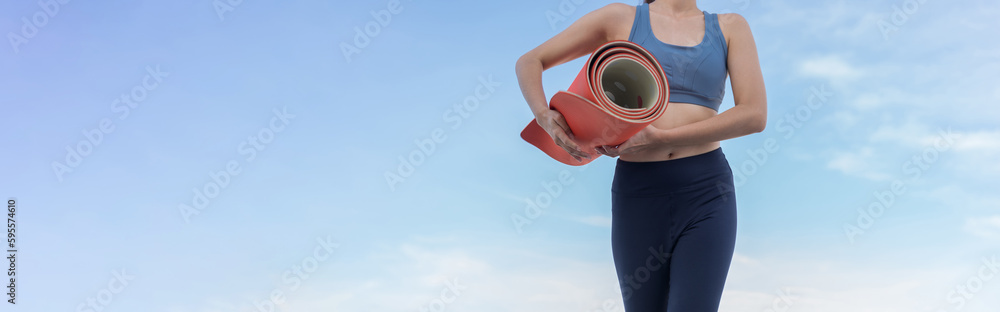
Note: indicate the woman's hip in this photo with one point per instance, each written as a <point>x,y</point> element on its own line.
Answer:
<point>708,170</point>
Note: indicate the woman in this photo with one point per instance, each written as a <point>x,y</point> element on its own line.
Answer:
<point>673,204</point>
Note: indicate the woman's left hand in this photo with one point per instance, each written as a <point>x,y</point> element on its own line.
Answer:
<point>644,139</point>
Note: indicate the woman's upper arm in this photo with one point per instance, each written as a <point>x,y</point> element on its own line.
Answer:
<point>744,67</point>
<point>583,36</point>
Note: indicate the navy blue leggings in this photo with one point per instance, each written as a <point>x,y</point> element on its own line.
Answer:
<point>673,231</point>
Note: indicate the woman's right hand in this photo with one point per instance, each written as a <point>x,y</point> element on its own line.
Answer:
<point>555,125</point>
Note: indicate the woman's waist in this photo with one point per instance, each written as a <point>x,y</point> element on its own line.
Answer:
<point>706,169</point>
<point>677,115</point>
<point>664,153</point>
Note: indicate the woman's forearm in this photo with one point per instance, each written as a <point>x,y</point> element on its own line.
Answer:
<point>529,78</point>
<point>732,123</point>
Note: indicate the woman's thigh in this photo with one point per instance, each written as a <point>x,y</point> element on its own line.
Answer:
<point>701,258</point>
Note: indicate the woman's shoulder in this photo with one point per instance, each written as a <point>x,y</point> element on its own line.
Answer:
<point>733,24</point>
<point>731,18</point>
<point>616,10</point>
<point>617,19</point>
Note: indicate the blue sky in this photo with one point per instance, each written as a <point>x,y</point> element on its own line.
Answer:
<point>258,105</point>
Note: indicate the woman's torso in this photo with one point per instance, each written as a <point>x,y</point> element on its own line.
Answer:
<point>690,31</point>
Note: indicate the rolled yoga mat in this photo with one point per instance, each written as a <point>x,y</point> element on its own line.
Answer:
<point>620,90</point>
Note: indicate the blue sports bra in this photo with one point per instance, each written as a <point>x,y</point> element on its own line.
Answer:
<point>696,74</point>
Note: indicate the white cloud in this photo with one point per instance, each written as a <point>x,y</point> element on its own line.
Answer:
<point>986,141</point>
<point>963,200</point>
<point>831,67</point>
<point>825,285</point>
<point>878,157</point>
<point>843,120</point>
<point>913,135</point>
<point>526,281</point>
<point>413,276</point>
<point>885,96</point>
<point>977,155</point>
<point>906,74</point>
<point>739,258</point>
<point>862,162</point>
<point>599,221</point>
<point>985,227</point>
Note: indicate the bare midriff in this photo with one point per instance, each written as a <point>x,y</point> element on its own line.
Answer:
<point>676,115</point>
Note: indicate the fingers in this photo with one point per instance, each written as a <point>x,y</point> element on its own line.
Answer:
<point>625,149</point>
<point>563,140</point>
<point>609,151</point>
<point>616,151</point>
<point>561,122</point>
